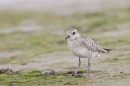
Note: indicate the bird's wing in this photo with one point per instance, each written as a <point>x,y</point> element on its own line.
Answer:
<point>91,44</point>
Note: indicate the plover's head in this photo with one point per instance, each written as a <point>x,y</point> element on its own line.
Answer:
<point>72,34</point>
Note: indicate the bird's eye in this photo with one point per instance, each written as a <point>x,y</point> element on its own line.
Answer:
<point>73,33</point>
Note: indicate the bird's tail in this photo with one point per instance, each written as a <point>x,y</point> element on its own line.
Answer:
<point>106,50</point>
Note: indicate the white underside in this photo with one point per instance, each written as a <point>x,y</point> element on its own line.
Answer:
<point>84,53</point>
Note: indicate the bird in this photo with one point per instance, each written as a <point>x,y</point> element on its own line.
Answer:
<point>83,47</point>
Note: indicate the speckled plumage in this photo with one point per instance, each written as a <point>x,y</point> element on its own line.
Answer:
<point>83,46</point>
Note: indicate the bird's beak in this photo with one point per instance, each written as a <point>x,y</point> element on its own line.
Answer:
<point>67,37</point>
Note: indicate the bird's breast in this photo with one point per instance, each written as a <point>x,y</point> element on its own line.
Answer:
<point>78,49</point>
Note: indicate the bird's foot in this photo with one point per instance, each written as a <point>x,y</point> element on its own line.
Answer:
<point>76,75</point>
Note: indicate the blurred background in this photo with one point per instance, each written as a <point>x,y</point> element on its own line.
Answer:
<point>32,32</point>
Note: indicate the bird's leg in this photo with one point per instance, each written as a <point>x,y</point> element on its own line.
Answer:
<point>88,67</point>
<point>76,73</point>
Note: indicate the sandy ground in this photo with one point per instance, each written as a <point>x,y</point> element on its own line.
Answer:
<point>62,60</point>
<point>101,73</point>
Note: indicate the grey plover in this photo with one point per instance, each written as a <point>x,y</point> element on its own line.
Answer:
<point>83,47</point>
